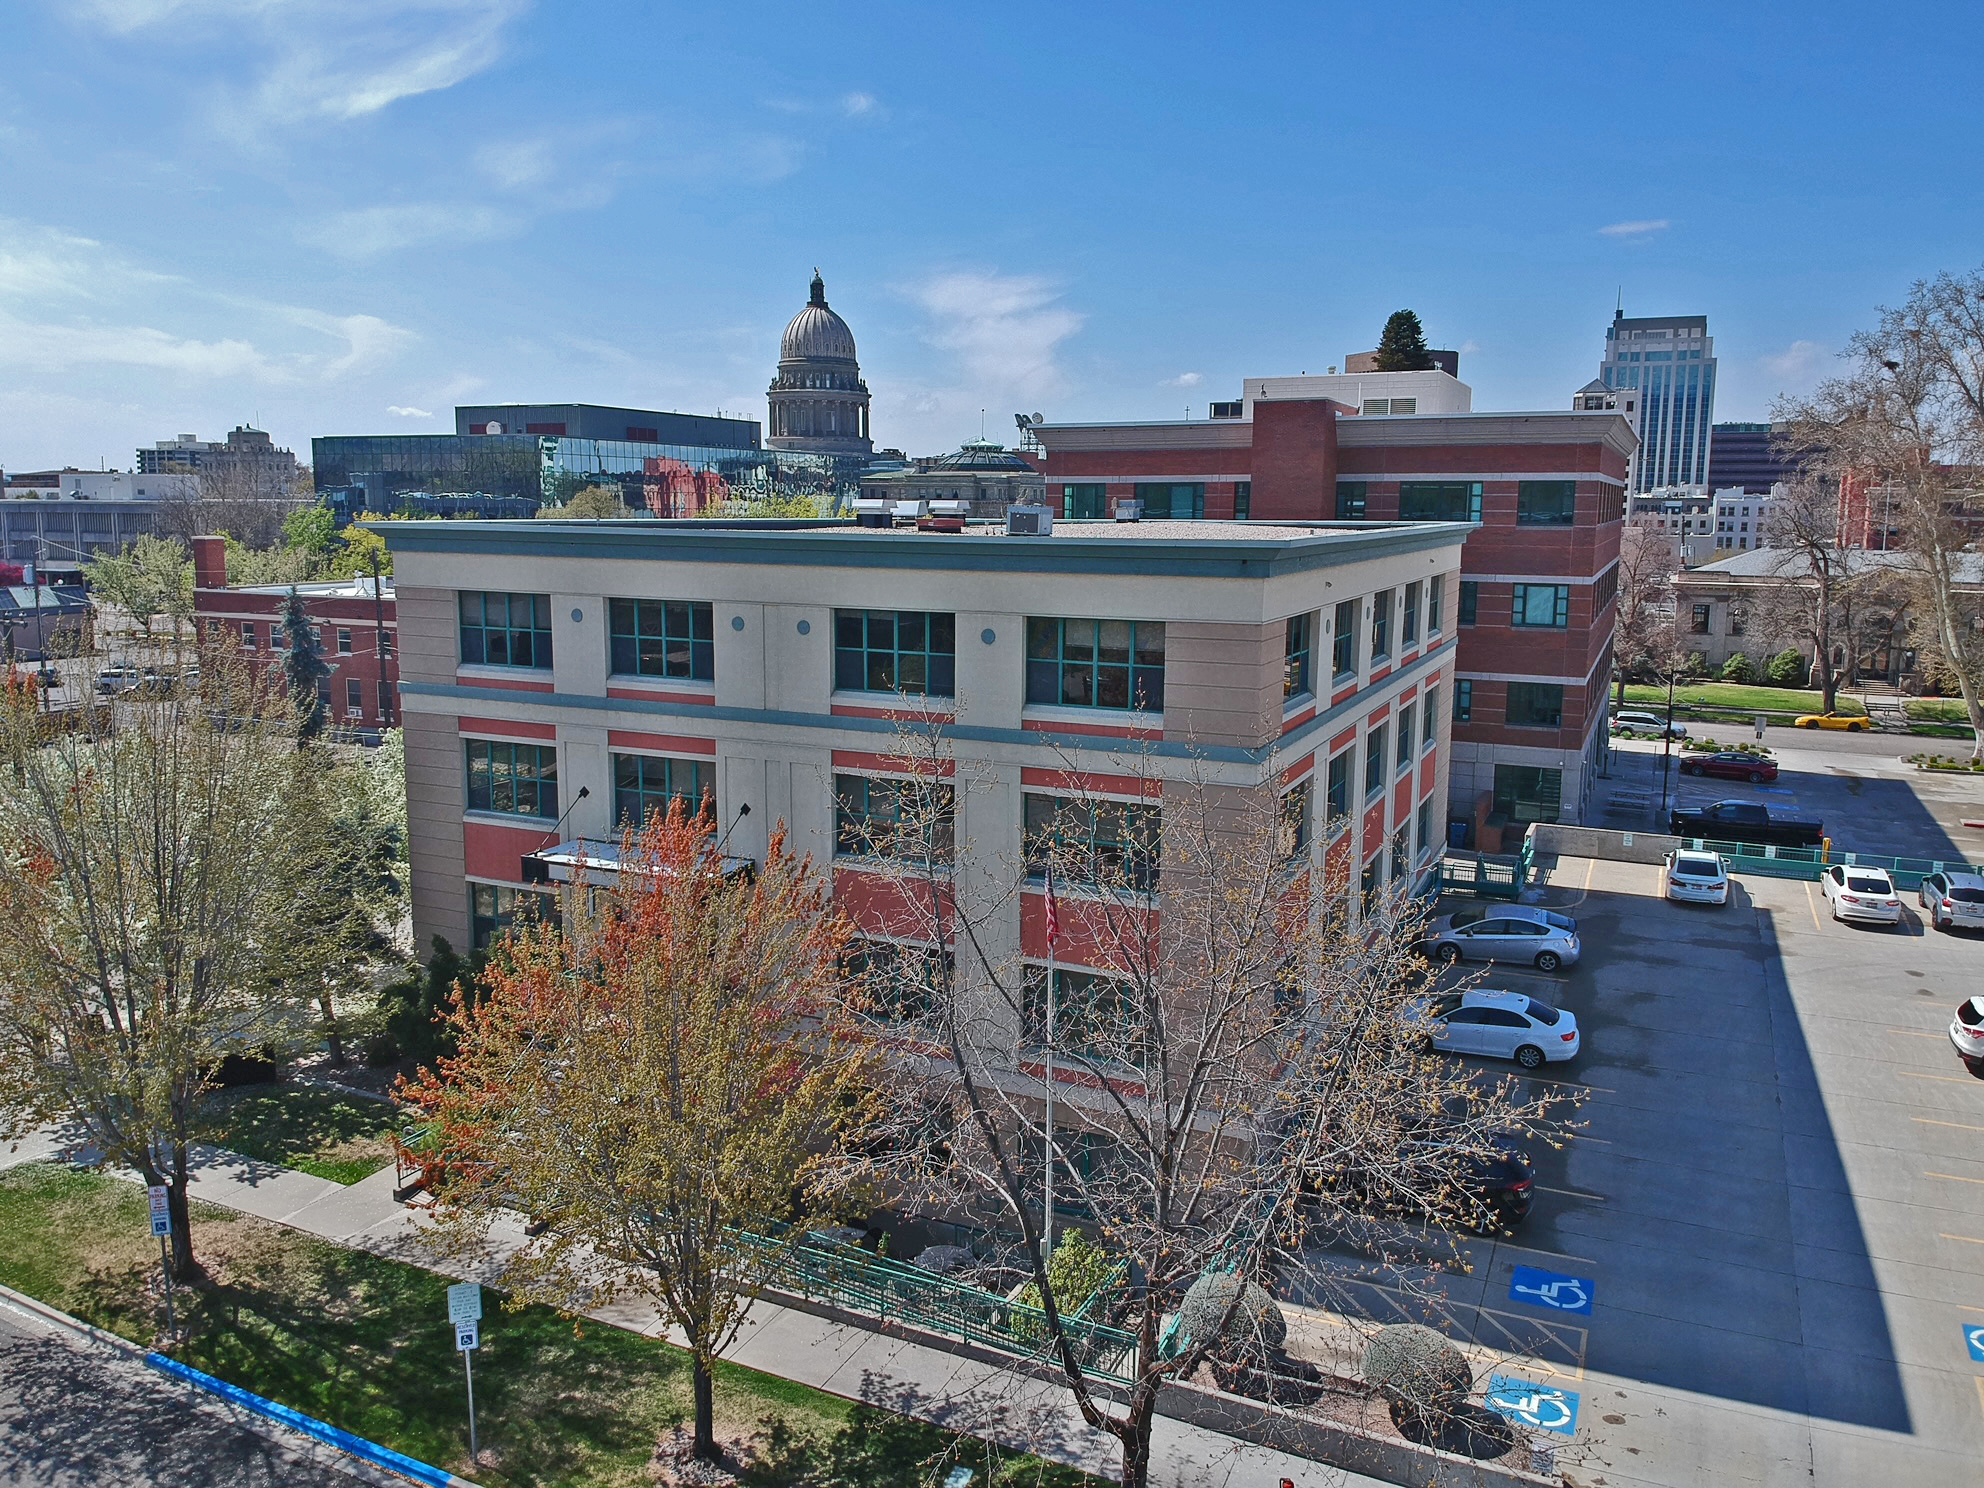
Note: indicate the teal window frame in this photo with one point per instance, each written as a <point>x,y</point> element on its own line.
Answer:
<point>1085,500</point>
<point>1470,602</point>
<point>1091,1010</point>
<point>649,782</point>
<point>1464,700</point>
<point>1343,642</point>
<point>512,779</point>
<point>1436,593</point>
<point>506,630</point>
<point>1408,614</point>
<point>494,908</point>
<point>1298,668</point>
<point>1376,776</point>
<point>903,981</point>
<point>1537,705</point>
<point>1429,718</point>
<point>1243,501</point>
<point>1527,601</point>
<point>1121,838</point>
<point>896,651</point>
<point>1336,800</point>
<point>1162,500</point>
<point>1296,804</point>
<point>1546,503</point>
<point>1381,626</point>
<point>669,638</point>
<point>1116,665</point>
<point>873,815</point>
<point>1405,751</point>
<point>1527,793</point>
<point>1352,500</point>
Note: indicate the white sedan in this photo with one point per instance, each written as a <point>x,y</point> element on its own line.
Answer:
<point>1858,893</point>
<point>1696,877</point>
<point>1967,1033</point>
<point>1507,1025</point>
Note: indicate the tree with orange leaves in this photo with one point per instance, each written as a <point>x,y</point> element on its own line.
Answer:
<point>655,1077</point>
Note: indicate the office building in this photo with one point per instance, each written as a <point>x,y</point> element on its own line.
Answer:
<point>1743,456</point>
<point>58,534</point>
<point>247,456</point>
<point>591,421</point>
<point>1669,360</point>
<point>987,476</point>
<point>1534,609</point>
<point>561,679</point>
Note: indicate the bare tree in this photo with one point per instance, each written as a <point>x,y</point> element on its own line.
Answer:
<point>1228,1063</point>
<point>245,499</point>
<point>1648,561</point>
<point>1821,577</point>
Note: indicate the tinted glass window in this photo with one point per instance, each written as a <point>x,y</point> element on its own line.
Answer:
<point>1967,896</point>
<point>1969,1015</point>
<point>1866,885</point>
<point>1543,1013</point>
<point>1468,1015</point>
<point>1502,1018</point>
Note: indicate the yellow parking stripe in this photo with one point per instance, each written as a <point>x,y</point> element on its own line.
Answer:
<point>1959,1125</point>
<point>1916,1033</point>
<point>1954,1177</point>
<point>1812,904</point>
<point>1950,1079</point>
<point>1966,1239</point>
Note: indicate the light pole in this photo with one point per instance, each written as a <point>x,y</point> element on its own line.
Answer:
<point>1667,743</point>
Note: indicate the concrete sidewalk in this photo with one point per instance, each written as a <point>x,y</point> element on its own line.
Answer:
<point>913,1379</point>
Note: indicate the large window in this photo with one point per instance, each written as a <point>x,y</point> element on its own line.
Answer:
<point>1439,501</point>
<point>1408,615</point>
<point>1470,601</point>
<point>1343,655</point>
<point>1301,649</point>
<point>663,638</point>
<point>1546,503</point>
<point>1429,718</point>
<point>515,779</point>
<point>1436,592</point>
<point>1381,625</point>
<point>1374,761</point>
<point>1085,500</point>
<point>1094,1015</point>
<point>1350,501</point>
<point>506,629</point>
<point>895,651</point>
<point>1535,705</point>
<point>1243,500</point>
<point>1698,619</point>
<point>1604,589</point>
<point>1338,800</point>
<point>1464,700</point>
<point>1425,822</point>
<point>1111,843</point>
<point>884,818</point>
<point>494,908</point>
<point>1177,502</point>
<point>902,982</point>
<point>1528,793</point>
<point>1095,663</point>
<point>1405,711</point>
<point>1545,606</point>
<point>647,783</point>
<point>1295,806</point>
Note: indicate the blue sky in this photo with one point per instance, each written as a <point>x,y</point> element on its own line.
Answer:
<point>345,216</point>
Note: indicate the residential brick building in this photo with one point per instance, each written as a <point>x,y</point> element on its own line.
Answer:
<point>1534,612</point>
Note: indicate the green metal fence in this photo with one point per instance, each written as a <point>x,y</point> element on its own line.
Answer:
<point>825,1270</point>
<point>1811,862</point>
<point>1494,875</point>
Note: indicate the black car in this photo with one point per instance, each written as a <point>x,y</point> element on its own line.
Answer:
<point>1482,1191</point>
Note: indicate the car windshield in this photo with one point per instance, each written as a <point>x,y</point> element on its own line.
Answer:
<point>1860,884</point>
<point>1543,1013</point>
<point>1967,896</point>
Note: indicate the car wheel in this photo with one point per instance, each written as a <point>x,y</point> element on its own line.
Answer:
<point>1756,777</point>
<point>1812,725</point>
<point>1447,955</point>
<point>1856,728</point>
<point>1548,961</point>
<point>1529,1057</point>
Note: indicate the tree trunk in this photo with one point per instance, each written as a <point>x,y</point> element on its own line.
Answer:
<point>333,1040</point>
<point>183,1266</point>
<point>1136,1438</point>
<point>704,1446</point>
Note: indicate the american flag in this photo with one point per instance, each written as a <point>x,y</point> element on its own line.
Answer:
<point>1053,910</point>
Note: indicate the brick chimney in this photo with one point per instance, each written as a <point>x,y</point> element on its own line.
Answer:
<point>209,563</point>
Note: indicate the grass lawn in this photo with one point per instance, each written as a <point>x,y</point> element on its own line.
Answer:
<point>363,1342</point>
<point>334,1136</point>
<point>1737,698</point>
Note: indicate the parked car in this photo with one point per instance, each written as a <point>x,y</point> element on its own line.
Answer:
<point>1485,1186</point>
<point>1852,723</point>
<point>1647,723</point>
<point>1953,899</point>
<point>1731,764</point>
<point>1858,893</point>
<point>1504,1025</point>
<point>1967,1033</point>
<point>1536,937</point>
<point>116,679</point>
<point>1696,877</point>
<point>1743,821</point>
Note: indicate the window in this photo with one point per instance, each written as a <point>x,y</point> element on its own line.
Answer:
<point>1425,823</point>
<point>1470,599</point>
<point>1370,882</point>
<point>276,641</point>
<point>494,908</point>
<point>1111,843</point>
<point>1374,761</point>
<point>911,651</point>
<point>506,630</point>
<point>645,784</point>
<point>1739,621</point>
<point>1604,589</point>
<point>344,640</point>
<point>1295,817</point>
<point>1541,605</point>
<point>1408,615</point>
<point>1404,735</point>
<point>386,644</point>
<point>1343,657</point>
<point>1405,405</point>
<point>903,982</point>
<point>1439,501</point>
<point>662,638</point>
<point>1337,804</point>
<point>1527,793</point>
<point>1535,705</point>
<point>1429,718</point>
<point>1464,700</point>
<point>1350,500</point>
<point>1094,1015</point>
<point>247,635</point>
<point>1377,405</point>
<point>1243,500</point>
<point>1698,619</point>
<point>1436,591</point>
<point>1164,500</point>
<point>1381,625</point>
<point>907,819</point>
<point>1301,647</point>
<point>1095,663</point>
<point>1401,852</point>
<point>1085,501</point>
<point>1546,503</point>
<point>516,779</point>
<point>354,697</point>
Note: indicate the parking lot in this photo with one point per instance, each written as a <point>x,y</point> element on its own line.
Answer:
<point>1776,1207</point>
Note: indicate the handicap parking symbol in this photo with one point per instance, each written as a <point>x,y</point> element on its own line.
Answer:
<point>1529,1404</point>
<point>1548,1289</point>
<point>1974,1337</point>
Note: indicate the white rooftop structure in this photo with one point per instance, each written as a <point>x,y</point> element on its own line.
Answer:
<point>1366,392</point>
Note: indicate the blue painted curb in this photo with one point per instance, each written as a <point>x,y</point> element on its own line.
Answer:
<point>344,1441</point>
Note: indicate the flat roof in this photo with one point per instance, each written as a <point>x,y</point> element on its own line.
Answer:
<point>359,588</point>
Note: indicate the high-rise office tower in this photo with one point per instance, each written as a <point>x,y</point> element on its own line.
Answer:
<point>1670,359</point>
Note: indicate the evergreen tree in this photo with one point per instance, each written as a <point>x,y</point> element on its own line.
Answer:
<point>1402,347</point>
<point>304,670</point>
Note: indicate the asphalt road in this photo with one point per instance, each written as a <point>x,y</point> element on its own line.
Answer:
<point>73,1417</point>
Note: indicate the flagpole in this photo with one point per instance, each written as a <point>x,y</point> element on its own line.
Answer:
<point>1047,1207</point>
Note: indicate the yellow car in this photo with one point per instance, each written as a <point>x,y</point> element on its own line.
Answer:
<point>1853,723</point>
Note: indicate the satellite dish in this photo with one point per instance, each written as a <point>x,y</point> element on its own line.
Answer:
<point>492,427</point>
<point>1040,418</point>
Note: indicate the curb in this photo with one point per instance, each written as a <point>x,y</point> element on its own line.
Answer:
<point>288,1423</point>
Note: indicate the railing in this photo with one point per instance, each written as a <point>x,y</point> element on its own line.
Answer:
<point>1494,875</point>
<point>849,1277</point>
<point>1811,862</point>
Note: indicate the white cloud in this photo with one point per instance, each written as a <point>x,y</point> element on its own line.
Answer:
<point>1797,362</point>
<point>371,231</point>
<point>1635,229</point>
<point>1469,347</point>
<point>398,411</point>
<point>862,106</point>
<point>1185,380</point>
<point>517,164</point>
<point>64,347</point>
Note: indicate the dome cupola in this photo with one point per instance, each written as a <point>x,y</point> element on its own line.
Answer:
<point>818,401</point>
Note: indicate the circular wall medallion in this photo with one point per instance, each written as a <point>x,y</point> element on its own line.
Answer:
<point>736,622</point>
<point>577,616</point>
<point>988,635</point>
<point>805,627</point>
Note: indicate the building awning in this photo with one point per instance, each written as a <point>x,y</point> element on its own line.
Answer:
<point>595,861</point>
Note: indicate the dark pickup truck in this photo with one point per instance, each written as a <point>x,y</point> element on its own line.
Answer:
<point>1740,821</point>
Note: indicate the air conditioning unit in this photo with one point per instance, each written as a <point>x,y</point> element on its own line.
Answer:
<point>909,511</point>
<point>1129,509</point>
<point>1029,521</point>
<point>950,508</point>
<point>871,511</point>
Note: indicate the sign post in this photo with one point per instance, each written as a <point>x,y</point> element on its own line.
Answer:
<point>160,1197</point>
<point>465,1312</point>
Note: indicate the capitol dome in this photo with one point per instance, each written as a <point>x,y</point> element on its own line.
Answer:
<point>818,401</point>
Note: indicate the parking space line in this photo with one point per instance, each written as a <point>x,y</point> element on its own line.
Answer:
<point>1980,1392</point>
<point>1959,1125</point>
<point>1569,1084</point>
<point>1572,1193</point>
<point>1952,1177</point>
<point>1949,1079</point>
<point>1916,1033</point>
<point>1812,904</point>
<point>1582,1260</point>
<point>1966,1239</point>
<point>1966,1307</point>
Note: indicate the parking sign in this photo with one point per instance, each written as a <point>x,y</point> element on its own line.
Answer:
<point>161,1209</point>
<point>465,1303</point>
<point>468,1336</point>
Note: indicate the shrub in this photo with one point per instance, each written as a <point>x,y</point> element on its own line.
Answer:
<point>412,1008</point>
<point>1739,668</point>
<point>1078,1268</point>
<point>1787,668</point>
<point>1419,1372</point>
<point>1256,1323</point>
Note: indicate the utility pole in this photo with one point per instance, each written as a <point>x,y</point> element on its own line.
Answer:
<point>379,637</point>
<point>1666,745</point>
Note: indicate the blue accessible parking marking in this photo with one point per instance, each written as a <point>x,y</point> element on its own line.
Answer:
<point>1548,1289</point>
<point>1974,1337</point>
<point>1535,1405</point>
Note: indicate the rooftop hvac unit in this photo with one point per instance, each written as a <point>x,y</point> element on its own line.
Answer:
<point>909,511</point>
<point>950,508</point>
<point>1129,509</point>
<point>870,511</point>
<point>1029,521</point>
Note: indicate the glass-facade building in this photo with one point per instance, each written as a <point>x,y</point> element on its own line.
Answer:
<point>1670,359</point>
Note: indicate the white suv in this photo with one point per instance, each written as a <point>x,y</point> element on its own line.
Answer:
<point>1648,723</point>
<point>1953,899</point>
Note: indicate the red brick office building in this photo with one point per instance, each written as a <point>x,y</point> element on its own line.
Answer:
<point>1539,575</point>
<point>357,632</point>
